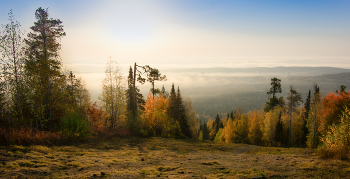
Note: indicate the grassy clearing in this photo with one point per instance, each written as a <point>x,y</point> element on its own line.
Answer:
<point>161,157</point>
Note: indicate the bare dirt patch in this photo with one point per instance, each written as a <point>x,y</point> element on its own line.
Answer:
<point>165,158</point>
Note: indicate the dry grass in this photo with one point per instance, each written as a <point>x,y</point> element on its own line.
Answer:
<point>165,158</point>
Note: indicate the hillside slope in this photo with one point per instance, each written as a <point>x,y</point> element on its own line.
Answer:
<point>165,158</point>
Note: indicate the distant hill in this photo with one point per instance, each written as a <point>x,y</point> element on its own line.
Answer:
<point>221,90</point>
<point>262,70</point>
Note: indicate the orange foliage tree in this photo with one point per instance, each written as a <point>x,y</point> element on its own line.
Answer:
<point>154,115</point>
<point>332,107</point>
<point>96,115</point>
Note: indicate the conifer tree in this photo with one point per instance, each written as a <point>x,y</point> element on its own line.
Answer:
<point>205,132</point>
<point>172,108</point>
<point>305,116</point>
<point>217,123</point>
<point>341,89</point>
<point>275,88</point>
<point>279,133</point>
<point>43,64</point>
<point>176,110</point>
<point>164,92</point>
<point>129,91</point>
<point>307,104</point>
<point>185,127</point>
<point>155,75</point>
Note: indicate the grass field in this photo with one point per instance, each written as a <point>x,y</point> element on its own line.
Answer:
<point>165,158</point>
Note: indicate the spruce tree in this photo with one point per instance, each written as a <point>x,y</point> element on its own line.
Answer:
<point>129,92</point>
<point>279,134</point>
<point>217,123</point>
<point>205,132</point>
<point>232,115</point>
<point>172,108</point>
<point>306,114</point>
<point>164,92</point>
<point>185,127</point>
<point>307,104</point>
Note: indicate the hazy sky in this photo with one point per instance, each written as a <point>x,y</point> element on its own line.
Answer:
<point>189,33</point>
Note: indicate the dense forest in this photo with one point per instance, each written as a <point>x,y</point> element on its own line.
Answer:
<point>41,103</point>
<point>317,122</point>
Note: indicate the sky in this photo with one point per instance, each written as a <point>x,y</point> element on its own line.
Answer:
<point>190,33</point>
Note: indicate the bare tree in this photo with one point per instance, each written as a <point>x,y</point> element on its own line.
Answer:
<point>11,49</point>
<point>113,93</point>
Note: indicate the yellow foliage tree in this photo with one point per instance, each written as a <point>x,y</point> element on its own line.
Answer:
<point>155,119</point>
<point>230,131</point>
<point>269,124</point>
<point>242,129</point>
<point>297,127</point>
<point>256,119</point>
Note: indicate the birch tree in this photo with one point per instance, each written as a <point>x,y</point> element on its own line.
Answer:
<point>113,95</point>
<point>12,60</point>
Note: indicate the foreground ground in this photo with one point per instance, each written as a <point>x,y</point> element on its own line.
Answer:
<point>165,158</point>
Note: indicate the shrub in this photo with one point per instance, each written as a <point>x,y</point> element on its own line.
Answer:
<point>73,125</point>
<point>27,136</point>
<point>336,141</point>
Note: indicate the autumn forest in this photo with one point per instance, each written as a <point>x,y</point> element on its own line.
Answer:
<point>41,103</point>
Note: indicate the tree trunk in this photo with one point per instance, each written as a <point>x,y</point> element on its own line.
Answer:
<point>134,103</point>
<point>16,75</point>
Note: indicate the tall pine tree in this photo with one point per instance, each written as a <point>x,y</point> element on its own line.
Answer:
<point>275,88</point>
<point>43,64</point>
<point>183,121</point>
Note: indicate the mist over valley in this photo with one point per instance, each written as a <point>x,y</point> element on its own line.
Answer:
<point>221,90</point>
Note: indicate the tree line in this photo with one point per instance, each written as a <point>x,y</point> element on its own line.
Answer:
<point>42,101</point>
<point>38,94</point>
<point>316,123</point>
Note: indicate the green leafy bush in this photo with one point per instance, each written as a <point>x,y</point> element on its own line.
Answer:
<point>73,125</point>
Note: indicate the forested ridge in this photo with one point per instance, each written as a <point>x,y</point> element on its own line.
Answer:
<point>41,103</point>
